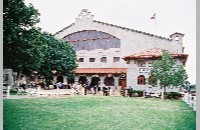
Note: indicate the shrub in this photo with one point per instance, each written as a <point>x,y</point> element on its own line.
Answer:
<point>173,95</point>
<point>139,93</point>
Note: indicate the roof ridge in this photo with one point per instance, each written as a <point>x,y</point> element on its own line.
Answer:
<point>64,29</point>
<point>133,30</point>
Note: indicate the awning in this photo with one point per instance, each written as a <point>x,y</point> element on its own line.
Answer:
<point>100,70</point>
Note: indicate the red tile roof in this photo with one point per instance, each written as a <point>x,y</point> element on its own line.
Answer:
<point>100,70</point>
<point>153,53</point>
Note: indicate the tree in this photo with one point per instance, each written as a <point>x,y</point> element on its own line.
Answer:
<point>166,71</point>
<point>27,49</point>
<point>60,55</point>
<point>22,47</point>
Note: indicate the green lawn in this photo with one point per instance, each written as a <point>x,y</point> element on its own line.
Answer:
<point>97,113</point>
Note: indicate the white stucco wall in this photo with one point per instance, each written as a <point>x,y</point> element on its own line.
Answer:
<point>133,73</point>
<point>132,41</point>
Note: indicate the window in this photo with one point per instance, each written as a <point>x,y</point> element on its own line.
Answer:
<point>141,80</point>
<point>92,59</point>
<point>128,62</point>
<point>102,44</point>
<point>103,59</point>
<point>141,63</point>
<point>81,60</point>
<point>96,44</point>
<point>176,38</point>
<point>90,45</point>
<point>118,43</point>
<point>150,63</point>
<point>108,43</point>
<point>116,59</point>
<point>101,40</point>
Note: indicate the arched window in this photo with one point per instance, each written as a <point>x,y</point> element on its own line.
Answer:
<point>92,39</point>
<point>141,80</point>
<point>152,80</point>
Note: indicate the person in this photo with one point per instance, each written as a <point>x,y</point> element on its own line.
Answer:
<point>59,78</point>
<point>82,80</point>
<point>23,85</point>
<point>59,84</point>
<point>87,87</point>
<point>95,83</point>
<point>105,90</point>
<point>148,92</point>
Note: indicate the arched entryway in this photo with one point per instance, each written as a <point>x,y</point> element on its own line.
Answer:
<point>122,81</point>
<point>82,79</point>
<point>109,80</point>
<point>60,78</point>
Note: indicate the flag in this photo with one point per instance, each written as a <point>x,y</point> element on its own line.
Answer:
<point>153,17</point>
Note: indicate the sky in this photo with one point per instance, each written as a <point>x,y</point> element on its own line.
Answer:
<point>171,16</point>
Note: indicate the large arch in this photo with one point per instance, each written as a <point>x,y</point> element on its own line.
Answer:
<point>92,39</point>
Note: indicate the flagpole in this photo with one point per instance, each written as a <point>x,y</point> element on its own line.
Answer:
<point>155,25</point>
<point>154,20</point>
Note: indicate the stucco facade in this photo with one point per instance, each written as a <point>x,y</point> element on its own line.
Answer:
<point>140,65</point>
<point>131,42</point>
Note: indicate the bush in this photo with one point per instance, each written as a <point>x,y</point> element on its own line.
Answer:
<point>137,93</point>
<point>13,91</point>
<point>173,95</point>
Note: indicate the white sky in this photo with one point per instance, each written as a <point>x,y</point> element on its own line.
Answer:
<point>171,16</point>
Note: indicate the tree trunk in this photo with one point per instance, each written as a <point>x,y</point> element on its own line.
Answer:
<point>18,78</point>
<point>164,92</point>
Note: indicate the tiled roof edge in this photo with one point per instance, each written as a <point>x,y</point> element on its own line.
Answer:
<point>145,33</point>
<point>63,29</point>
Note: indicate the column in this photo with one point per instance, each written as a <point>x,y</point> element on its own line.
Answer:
<point>102,80</point>
<point>116,83</point>
<point>76,79</point>
<point>65,79</point>
<point>54,79</point>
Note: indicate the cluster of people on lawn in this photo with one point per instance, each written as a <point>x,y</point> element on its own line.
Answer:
<point>93,86</point>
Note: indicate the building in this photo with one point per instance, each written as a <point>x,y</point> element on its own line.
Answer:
<point>101,47</point>
<point>140,64</point>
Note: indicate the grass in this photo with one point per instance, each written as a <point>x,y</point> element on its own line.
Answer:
<point>97,113</point>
